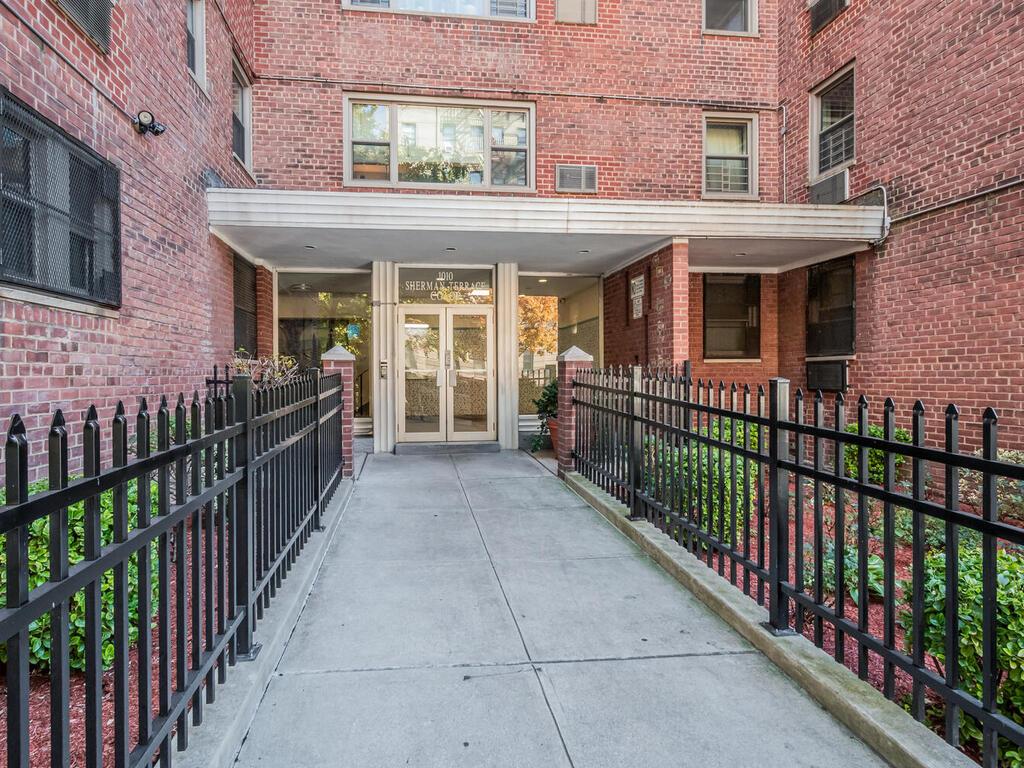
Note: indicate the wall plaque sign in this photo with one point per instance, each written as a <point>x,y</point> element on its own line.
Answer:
<point>636,293</point>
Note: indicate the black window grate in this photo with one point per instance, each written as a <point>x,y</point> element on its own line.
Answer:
<point>93,16</point>
<point>831,308</point>
<point>245,305</point>
<point>59,210</point>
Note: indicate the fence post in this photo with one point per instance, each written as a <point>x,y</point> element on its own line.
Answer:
<point>318,477</point>
<point>16,552</point>
<point>570,362</point>
<point>778,509</point>
<point>243,538</point>
<point>636,437</point>
<point>339,360</point>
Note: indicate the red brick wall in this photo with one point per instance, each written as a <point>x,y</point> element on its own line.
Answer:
<point>176,320</point>
<point>264,312</point>
<point>742,372</point>
<point>661,335</point>
<point>626,93</point>
<point>939,304</point>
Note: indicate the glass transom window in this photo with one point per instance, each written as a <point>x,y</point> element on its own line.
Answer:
<point>457,145</point>
<point>499,9</point>
<point>445,285</point>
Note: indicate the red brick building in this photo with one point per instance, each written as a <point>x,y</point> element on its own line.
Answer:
<point>391,175</point>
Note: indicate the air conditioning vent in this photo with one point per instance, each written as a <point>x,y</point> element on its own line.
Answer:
<point>823,11</point>
<point>828,376</point>
<point>93,16</point>
<point>831,191</point>
<point>576,178</point>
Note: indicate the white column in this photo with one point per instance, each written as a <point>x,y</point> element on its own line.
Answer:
<point>507,321</point>
<point>385,319</point>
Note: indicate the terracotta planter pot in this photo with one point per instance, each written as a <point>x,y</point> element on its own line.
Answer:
<point>553,429</point>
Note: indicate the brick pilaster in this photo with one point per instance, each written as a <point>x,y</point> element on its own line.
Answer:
<point>570,362</point>
<point>264,312</point>
<point>340,360</point>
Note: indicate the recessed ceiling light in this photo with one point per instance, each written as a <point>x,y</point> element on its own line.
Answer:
<point>451,248</point>
<point>310,247</point>
<point>300,287</point>
<point>542,279</point>
<point>740,255</point>
<point>585,250</point>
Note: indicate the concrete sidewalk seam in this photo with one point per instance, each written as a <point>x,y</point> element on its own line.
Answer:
<point>881,724</point>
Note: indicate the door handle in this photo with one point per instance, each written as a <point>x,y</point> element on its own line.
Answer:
<point>440,377</point>
<point>453,377</point>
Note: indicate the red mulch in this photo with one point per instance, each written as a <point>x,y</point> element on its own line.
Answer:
<point>39,691</point>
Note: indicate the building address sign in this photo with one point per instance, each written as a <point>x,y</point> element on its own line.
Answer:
<point>436,285</point>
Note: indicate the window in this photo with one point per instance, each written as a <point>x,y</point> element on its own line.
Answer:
<point>738,17</point>
<point>576,11</point>
<point>832,107</point>
<point>195,38</point>
<point>730,158</point>
<point>241,115</point>
<point>407,144</point>
<point>59,210</point>
<point>501,9</point>
<point>93,16</point>
<point>245,306</point>
<point>831,329</point>
<point>732,317</point>
<point>823,12</point>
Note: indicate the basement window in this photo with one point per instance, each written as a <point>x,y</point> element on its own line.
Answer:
<point>396,143</point>
<point>60,227</point>
<point>732,317</point>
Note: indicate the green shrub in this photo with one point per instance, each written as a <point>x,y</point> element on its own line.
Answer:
<point>674,471</point>
<point>547,408</point>
<point>39,573</point>
<point>1009,634</point>
<point>876,571</point>
<point>876,457</point>
<point>1009,492</point>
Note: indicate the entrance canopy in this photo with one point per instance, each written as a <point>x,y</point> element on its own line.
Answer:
<point>296,229</point>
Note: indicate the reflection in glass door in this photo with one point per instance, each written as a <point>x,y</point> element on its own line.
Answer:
<point>446,374</point>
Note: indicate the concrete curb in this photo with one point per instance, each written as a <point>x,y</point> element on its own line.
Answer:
<point>878,722</point>
<point>216,743</point>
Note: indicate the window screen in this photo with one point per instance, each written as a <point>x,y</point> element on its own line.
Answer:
<point>245,306</point>
<point>59,210</point>
<point>831,327</point>
<point>732,317</point>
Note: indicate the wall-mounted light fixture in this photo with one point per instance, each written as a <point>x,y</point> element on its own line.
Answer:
<point>144,122</point>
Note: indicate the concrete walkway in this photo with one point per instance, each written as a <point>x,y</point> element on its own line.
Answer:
<point>474,612</point>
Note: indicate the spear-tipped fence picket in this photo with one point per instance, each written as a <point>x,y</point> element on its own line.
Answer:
<point>725,470</point>
<point>224,501</point>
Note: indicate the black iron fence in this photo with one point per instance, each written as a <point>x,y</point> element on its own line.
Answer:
<point>150,575</point>
<point>903,560</point>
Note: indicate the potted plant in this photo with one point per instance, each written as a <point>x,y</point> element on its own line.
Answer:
<point>547,412</point>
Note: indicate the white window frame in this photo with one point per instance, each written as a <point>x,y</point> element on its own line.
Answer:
<point>814,126</point>
<point>199,34</point>
<point>745,118</point>
<point>530,18</point>
<point>752,22</point>
<point>238,72</point>
<point>395,100</point>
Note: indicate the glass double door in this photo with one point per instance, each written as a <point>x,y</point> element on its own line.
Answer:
<point>446,381</point>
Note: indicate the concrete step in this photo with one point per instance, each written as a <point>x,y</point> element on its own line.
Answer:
<point>421,449</point>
